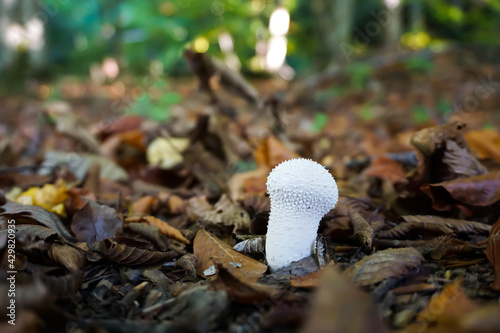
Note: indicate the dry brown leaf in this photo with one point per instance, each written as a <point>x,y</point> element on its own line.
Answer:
<point>224,213</point>
<point>448,307</point>
<point>362,230</point>
<point>239,288</point>
<point>36,232</point>
<point>68,256</point>
<point>207,247</point>
<point>248,182</point>
<point>415,288</point>
<point>151,232</point>
<point>251,246</point>
<point>428,140</point>
<point>461,162</point>
<point>339,306</point>
<point>443,155</point>
<point>64,286</point>
<point>484,320</point>
<point>482,190</point>
<point>165,228</point>
<point>485,142</point>
<point>383,265</point>
<point>35,214</point>
<point>493,253</point>
<point>272,152</point>
<point>309,281</point>
<point>188,263</point>
<point>132,256</point>
<point>386,168</point>
<point>444,246</point>
<point>142,205</point>
<point>435,224</point>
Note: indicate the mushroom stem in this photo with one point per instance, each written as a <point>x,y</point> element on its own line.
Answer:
<point>301,192</point>
<point>295,242</point>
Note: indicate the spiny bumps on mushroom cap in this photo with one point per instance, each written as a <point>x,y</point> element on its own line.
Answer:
<point>303,184</point>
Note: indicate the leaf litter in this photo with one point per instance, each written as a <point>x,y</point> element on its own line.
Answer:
<point>133,236</point>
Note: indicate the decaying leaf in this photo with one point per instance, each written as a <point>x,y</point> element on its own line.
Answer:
<point>142,205</point>
<point>443,247</point>
<point>64,286</point>
<point>309,281</point>
<point>484,319</point>
<point>188,263</point>
<point>132,256</point>
<point>95,222</point>
<point>339,306</point>
<point>362,230</point>
<point>447,307</point>
<point>435,224</point>
<point>79,164</point>
<point>238,287</point>
<point>207,247</point>
<point>36,232</point>
<point>461,162</point>
<point>251,246</point>
<point>482,190</point>
<point>34,214</point>
<point>388,169</point>
<point>151,232</point>
<point>68,256</point>
<point>439,247</point>
<point>166,152</point>
<point>224,213</point>
<point>272,152</point>
<point>165,228</point>
<point>428,140</point>
<point>383,265</point>
<point>493,253</point>
<point>486,143</point>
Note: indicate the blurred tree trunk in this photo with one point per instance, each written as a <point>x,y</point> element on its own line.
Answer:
<point>5,52</point>
<point>394,27</point>
<point>335,19</point>
<point>22,46</point>
<point>417,15</point>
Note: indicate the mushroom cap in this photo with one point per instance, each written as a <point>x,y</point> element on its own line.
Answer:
<point>303,185</point>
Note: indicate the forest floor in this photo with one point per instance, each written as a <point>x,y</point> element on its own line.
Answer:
<point>126,199</point>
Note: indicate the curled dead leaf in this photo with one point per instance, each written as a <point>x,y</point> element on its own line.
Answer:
<point>383,265</point>
<point>225,213</point>
<point>68,256</point>
<point>482,190</point>
<point>238,287</point>
<point>151,232</point>
<point>436,224</point>
<point>35,214</point>
<point>165,228</point>
<point>132,256</point>
<point>95,222</point>
<point>339,306</point>
<point>447,307</point>
<point>362,230</point>
<point>142,205</point>
<point>493,253</point>
<point>206,247</point>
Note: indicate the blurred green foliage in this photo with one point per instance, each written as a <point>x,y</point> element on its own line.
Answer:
<point>135,32</point>
<point>157,109</point>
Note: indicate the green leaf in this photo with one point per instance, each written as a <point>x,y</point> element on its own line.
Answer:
<point>420,114</point>
<point>367,113</point>
<point>320,121</point>
<point>170,98</point>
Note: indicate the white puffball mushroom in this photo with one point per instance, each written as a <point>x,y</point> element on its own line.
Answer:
<point>301,192</point>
